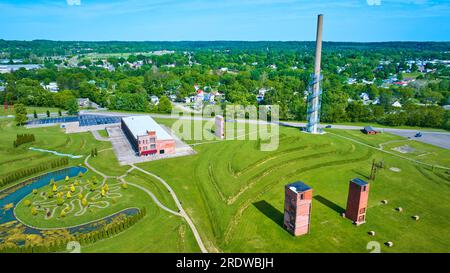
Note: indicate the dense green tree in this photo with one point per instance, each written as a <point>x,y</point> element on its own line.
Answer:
<point>20,114</point>
<point>164,106</point>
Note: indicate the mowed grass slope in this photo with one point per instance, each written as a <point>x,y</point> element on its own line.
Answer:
<point>235,195</point>
<point>158,231</point>
<point>49,138</point>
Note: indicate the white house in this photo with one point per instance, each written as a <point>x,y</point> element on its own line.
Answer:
<point>397,104</point>
<point>351,81</point>
<point>172,97</point>
<point>52,87</point>
<point>154,100</point>
<point>364,96</point>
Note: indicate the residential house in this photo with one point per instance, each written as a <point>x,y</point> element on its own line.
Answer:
<point>154,100</point>
<point>397,104</point>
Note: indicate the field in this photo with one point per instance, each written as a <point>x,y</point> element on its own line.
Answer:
<point>233,192</point>
<point>30,110</point>
<point>170,233</point>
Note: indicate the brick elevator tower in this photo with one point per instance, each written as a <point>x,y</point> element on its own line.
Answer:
<point>297,208</point>
<point>358,195</point>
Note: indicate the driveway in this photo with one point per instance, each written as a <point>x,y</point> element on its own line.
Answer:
<point>122,147</point>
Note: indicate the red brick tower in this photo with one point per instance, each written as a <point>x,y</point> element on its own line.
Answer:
<point>358,195</point>
<point>297,208</point>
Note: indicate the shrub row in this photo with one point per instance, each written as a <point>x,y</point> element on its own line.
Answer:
<point>22,139</point>
<point>111,229</point>
<point>21,173</point>
<point>84,239</point>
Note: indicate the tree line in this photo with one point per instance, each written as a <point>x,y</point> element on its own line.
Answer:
<point>22,139</point>
<point>24,172</point>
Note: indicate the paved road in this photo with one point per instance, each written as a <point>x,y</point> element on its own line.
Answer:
<point>99,137</point>
<point>440,139</point>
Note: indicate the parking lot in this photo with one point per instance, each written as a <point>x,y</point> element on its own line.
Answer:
<point>126,154</point>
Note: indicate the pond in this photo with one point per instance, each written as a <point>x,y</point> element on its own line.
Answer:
<point>15,194</point>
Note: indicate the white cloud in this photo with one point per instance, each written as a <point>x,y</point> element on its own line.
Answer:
<point>73,2</point>
<point>373,2</point>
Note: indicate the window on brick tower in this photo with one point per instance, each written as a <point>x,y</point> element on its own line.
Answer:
<point>302,196</point>
<point>361,218</point>
<point>363,210</point>
<point>364,188</point>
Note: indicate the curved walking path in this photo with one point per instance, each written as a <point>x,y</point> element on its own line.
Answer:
<point>153,197</point>
<point>98,137</point>
<point>181,212</point>
<point>180,208</point>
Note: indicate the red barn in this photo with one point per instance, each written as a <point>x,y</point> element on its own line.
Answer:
<point>297,208</point>
<point>358,195</point>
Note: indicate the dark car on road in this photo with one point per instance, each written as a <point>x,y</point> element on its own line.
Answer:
<point>418,134</point>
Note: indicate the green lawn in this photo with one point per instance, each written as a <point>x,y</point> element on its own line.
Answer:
<point>423,152</point>
<point>103,133</point>
<point>158,231</point>
<point>107,163</point>
<point>233,192</point>
<point>98,207</point>
<point>373,140</point>
<point>49,138</point>
<point>30,110</point>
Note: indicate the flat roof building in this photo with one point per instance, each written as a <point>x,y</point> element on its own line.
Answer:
<point>147,137</point>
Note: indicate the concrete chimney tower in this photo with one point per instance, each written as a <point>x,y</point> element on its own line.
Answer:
<point>315,92</point>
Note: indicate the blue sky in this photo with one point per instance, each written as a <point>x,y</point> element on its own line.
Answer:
<point>174,20</point>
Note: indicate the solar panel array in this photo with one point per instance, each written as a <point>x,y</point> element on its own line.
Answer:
<point>84,120</point>
<point>52,120</point>
<point>91,120</point>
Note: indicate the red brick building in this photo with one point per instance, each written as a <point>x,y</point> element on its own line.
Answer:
<point>297,208</point>
<point>358,195</point>
<point>147,137</point>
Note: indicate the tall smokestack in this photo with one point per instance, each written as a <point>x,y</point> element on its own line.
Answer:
<point>315,92</point>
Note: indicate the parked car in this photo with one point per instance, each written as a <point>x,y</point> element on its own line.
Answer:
<point>328,127</point>
<point>419,134</point>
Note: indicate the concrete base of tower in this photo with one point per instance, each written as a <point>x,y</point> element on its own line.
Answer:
<point>320,131</point>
